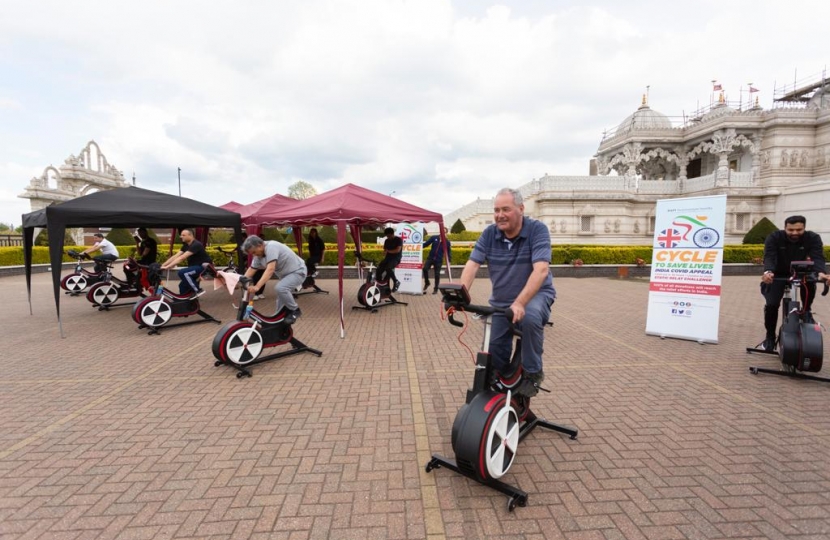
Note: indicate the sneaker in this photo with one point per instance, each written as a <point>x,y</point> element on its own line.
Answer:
<point>259,297</point>
<point>197,294</point>
<point>397,286</point>
<point>292,316</point>
<point>426,285</point>
<point>769,344</point>
<point>434,291</point>
<point>529,386</point>
<point>314,274</point>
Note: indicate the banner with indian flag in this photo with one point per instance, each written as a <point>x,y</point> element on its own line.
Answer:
<point>686,268</point>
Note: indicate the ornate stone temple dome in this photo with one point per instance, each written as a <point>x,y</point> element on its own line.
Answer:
<point>644,118</point>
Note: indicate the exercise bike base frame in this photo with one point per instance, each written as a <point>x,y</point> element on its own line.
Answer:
<point>795,375</point>
<point>517,497</point>
<point>317,290</point>
<point>388,301</point>
<point>157,329</point>
<point>297,348</point>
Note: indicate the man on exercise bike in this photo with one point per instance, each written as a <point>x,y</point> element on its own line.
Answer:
<point>276,259</point>
<point>781,248</point>
<point>194,253</point>
<point>517,251</point>
<point>392,255</point>
<point>109,252</point>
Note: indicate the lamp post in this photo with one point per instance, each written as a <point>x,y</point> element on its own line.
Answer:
<point>180,181</point>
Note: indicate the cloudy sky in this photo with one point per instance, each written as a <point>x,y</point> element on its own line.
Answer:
<point>438,101</point>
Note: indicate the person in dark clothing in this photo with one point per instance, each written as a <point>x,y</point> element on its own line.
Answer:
<point>194,252</point>
<point>316,247</point>
<point>392,254</point>
<point>435,259</point>
<point>146,247</point>
<point>793,243</point>
<point>146,253</point>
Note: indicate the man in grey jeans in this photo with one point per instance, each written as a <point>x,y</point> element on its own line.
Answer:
<point>275,258</point>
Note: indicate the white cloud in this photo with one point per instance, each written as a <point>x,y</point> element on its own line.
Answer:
<point>439,101</point>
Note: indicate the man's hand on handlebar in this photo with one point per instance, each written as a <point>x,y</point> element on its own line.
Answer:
<point>767,277</point>
<point>518,312</point>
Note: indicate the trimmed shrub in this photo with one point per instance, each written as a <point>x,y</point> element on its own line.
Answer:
<point>457,227</point>
<point>759,232</point>
<point>120,237</point>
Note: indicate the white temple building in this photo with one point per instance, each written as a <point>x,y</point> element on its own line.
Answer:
<point>769,162</point>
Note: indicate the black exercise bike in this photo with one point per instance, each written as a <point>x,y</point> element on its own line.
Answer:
<point>799,344</point>
<point>77,282</point>
<point>374,294</point>
<point>241,342</point>
<point>230,265</point>
<point>154,312</point>
<point>489,427</point>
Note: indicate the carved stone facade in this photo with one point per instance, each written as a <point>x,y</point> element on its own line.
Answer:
<point>79,175</point>
<point>763,160</point>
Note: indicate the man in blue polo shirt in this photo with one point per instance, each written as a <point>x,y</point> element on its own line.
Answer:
<point>517,252</point>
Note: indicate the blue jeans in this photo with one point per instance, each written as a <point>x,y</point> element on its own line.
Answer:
<point>189,277</point>
<point>537,314</point>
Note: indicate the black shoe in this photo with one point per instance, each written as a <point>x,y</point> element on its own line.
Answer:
<point>397,286</point>
<point>292,316</point>
<point>434,291</point>
<point>426,285</point>
<point>529,386</point>
<point>197,294</point>
<point>769,344</point>
<point>808,317</point>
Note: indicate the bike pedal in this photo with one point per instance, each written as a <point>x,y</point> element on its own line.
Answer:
<point>543,389</point>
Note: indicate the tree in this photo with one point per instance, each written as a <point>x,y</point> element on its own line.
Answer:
<point>759,232</point>
<point>4,227</point>
<point>301,190</point>
<point>457,227</point>
<point>121,237</point>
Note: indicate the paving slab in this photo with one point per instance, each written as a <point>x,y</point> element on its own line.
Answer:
<point>111,433</point>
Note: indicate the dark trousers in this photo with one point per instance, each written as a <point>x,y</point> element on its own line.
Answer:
<point>101,261</point>
<point>311,264</point>
<point>256,278</point>
<point>773,293</point>
<point>436,265</point>
<point>386,269</point>
<point>189,277</point>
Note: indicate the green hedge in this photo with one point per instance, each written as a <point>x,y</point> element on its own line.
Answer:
<point>565,254</point>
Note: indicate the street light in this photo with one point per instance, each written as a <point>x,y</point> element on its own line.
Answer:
<point>180,181</point>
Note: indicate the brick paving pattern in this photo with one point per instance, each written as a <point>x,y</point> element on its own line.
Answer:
<point>111,433</point>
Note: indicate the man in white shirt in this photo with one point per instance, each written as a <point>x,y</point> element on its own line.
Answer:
<point>108,252</point>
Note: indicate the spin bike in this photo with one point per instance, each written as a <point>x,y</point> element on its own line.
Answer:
<point>157,310</point>
<point>107,292</point>
<point>489,427</point>
<point>77,282</point>
<point>230,266</point>
<point>374,294</point>
<point>309,283</point>
<point>799,343</point>
<point>241,342</point>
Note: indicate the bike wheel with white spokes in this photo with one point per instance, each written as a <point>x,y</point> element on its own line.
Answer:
<point>371,296</point>
<point>152,312</point>
<point>103,294</point>
<point>74,283</point>
<point>238,343</point>
<point>502,440</point>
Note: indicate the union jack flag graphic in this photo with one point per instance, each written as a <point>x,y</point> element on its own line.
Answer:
<point>669,238</point>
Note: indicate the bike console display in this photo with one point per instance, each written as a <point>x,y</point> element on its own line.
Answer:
<point>455,294</point>
<point>801,267</point>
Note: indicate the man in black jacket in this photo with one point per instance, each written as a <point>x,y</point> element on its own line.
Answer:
<point>781,248</point>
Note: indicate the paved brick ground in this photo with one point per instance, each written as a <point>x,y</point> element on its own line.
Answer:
<point>111,433</point>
